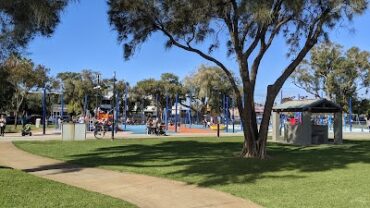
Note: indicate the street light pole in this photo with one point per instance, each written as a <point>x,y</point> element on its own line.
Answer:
<point>157,105</point>
<point>114,107</point>
<point>189,109</point>
<point>233,115</point>
<point>166,114</point>
<point>62,102</point>
<point>126,104</point>
<point>85,105</point>
<point>227,113</point>
<point>350,113</point>
<point>44,111</point>
<point>224,108</point>
<point>177,98</point>
<point>97,88</point>
<point>96,105</point>
<point>118,114</point>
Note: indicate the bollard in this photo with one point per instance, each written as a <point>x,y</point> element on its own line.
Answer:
<point>218,129</point>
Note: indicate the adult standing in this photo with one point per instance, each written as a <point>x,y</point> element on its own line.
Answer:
<point>2,125</point>
<point>81,119</point>
<point>60,122</point>
<point>368,122</point>
<point>205,122</point>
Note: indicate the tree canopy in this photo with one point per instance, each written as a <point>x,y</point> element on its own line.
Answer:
<point>207,84</point>
<point>24,76</point>
<point>6,89</point>
<point>21,20</point>
<point>334,73</point>
<point>150,89</point>
<point>76,87</point>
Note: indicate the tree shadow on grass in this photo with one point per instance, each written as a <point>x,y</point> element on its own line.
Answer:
<point>55,168</point>
<point>215,164</point>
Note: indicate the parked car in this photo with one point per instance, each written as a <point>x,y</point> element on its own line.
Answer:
<point>32,119</point>
<point>66,118</point>
<point>362,118</point>
<point>11,119</point>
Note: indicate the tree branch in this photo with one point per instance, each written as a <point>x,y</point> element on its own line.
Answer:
<point>232,25</point>
<point>313,35</point>
<point>263,48</point>
<point>316,94</point>
<point>245,32</point>
<point>188,47</point>
<point>254,43</point>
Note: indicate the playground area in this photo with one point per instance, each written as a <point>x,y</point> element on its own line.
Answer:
<point>137,130</point>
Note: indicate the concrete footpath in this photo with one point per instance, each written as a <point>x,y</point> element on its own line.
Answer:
<point>141,190</point>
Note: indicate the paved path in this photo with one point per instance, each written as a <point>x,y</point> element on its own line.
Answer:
<point>141,190</point>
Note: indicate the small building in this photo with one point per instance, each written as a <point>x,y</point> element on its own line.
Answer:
<point>300,128</point>
<point>56,110</point>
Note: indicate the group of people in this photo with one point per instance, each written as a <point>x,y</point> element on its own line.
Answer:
<point>154,126</point>
<point>104,122</point>
<point>208,122</point>
<point>131,121</point>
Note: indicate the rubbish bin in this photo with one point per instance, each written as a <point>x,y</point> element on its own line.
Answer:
<point>72,131</point>
<point>37,122</point>
<point>80,131</point>
<point>68,132</point>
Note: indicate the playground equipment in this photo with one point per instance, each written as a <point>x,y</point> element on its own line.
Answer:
<point>214,127</point>
<point>104,116</point>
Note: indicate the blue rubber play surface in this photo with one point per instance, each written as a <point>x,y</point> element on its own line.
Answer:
<point>135,129</point>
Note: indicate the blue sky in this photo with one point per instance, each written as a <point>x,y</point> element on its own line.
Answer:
<point>85,40</point>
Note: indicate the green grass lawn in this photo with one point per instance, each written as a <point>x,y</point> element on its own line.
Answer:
<point>19,189</point>
<point>317,176</point>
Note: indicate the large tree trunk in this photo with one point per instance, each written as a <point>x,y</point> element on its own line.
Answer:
<point>255,143</point>
<point>249,127</point>
<point>254,147</point>
<point>263,131</point>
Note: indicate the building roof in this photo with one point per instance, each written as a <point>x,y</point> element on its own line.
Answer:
<point>314,105</point>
